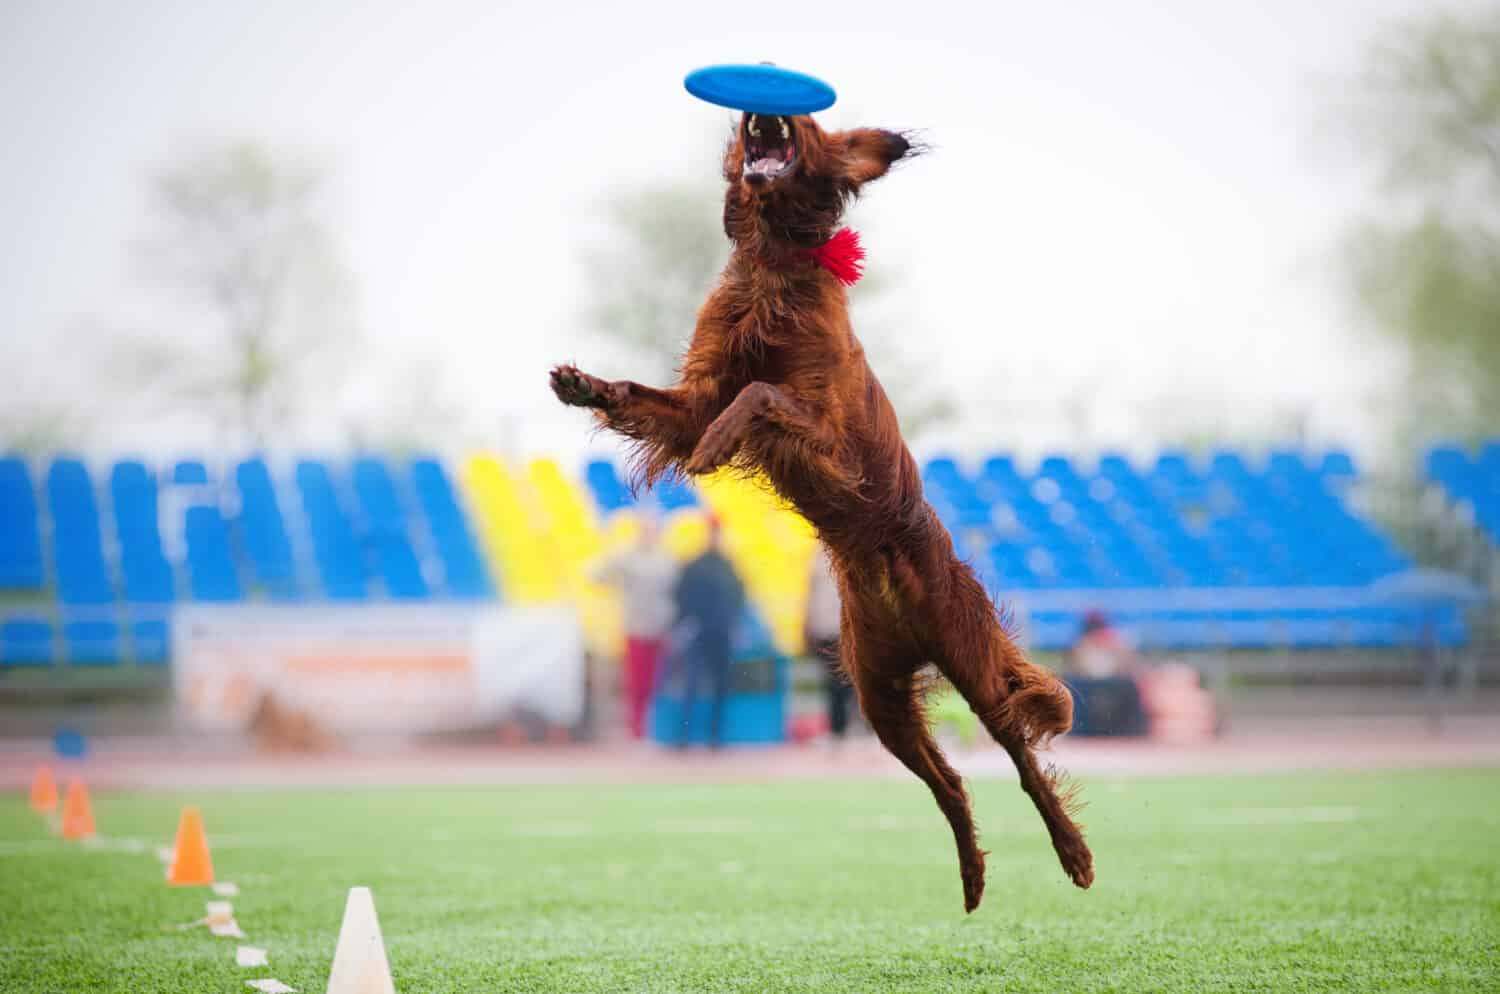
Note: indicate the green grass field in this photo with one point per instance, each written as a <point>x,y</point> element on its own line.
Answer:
<point>1378,882</point>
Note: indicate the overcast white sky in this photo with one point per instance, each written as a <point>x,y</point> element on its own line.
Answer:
<point>1128,199</point>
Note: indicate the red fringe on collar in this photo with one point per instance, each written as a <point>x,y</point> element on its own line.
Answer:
<point>842,256</point>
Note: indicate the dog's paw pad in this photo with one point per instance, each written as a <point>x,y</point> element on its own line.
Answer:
<point>578,389</point>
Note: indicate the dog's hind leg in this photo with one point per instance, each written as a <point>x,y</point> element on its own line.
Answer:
<point>1054,801</point>
<point>1013,712</point>
<point>1020,704</point>
<point>891,703</point>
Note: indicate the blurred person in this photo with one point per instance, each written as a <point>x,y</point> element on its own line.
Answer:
<point>710,600</point>
<point>1101,651</point>
<point>645,575</point>
<point>821,633</point>
<point>1117,694</point>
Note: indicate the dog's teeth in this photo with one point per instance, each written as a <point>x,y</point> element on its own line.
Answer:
<point>785,131</point>
<point>754,131</point>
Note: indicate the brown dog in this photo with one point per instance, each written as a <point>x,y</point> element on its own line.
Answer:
<point>775,382</point>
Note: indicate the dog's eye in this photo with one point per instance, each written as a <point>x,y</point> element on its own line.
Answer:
<point>785,131</point>
<point>754,131</point>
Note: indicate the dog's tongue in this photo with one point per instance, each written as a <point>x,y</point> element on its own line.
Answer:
<point>766,164</point>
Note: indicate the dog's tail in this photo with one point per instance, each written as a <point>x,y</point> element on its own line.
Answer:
<point>1036,707</point>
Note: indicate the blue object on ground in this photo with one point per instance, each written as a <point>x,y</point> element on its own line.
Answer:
<point>70,744</point>
<point>760,89</point>
<point>752,715</point>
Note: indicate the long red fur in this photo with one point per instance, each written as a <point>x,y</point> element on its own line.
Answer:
<point>774,382</point>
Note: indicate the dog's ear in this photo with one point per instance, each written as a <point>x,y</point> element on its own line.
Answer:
<point>869,152</point>
<point>734,156</point>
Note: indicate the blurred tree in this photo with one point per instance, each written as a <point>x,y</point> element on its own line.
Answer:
<point>257,329</point>
<point>44,407</point>
<point>36,427</point>
<point>658,255</point>
<point>1426,270</point>
<point>657,259</point>
<point>409,404</point>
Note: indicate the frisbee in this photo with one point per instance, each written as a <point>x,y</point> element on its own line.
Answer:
<point>760,89</point>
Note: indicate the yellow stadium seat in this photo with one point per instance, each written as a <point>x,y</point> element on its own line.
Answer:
<point>511,532</point>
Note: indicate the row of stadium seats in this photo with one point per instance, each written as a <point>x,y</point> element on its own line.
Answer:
<point>1282,528</point>
<point>234,535</point>
<point>373,529</point>
<point>1172,525</point>
<point>121,555</point>
<point>37,642</point>
<point>1472,481</point>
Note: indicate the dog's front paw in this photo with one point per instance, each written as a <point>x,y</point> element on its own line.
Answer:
<point>578,389</point>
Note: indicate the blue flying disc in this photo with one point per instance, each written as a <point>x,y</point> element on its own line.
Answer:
<point>762,89</point>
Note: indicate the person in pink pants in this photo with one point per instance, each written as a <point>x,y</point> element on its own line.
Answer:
<point>645,575</point>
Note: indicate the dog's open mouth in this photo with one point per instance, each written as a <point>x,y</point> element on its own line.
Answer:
<point>770,150</point>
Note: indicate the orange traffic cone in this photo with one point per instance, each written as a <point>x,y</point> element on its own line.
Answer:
<point>78,816</point>
<point>191,865</point>
<point>43,791</point>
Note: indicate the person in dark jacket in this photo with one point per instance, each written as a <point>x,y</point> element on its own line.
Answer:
<point>710,600</point>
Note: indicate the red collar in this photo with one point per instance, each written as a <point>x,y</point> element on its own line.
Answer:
<point>841,255</point>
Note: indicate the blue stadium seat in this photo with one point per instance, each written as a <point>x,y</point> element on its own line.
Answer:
<point>1337,463</point>
<point>190,472</point>
<point>942,470</point>
<point>386,530</point>
<point>672,492</point>
<point>77,549</point>
<point>997,467</point>
<point>1475,482</point>
<point>464,573</point>
<point>1228,466</point>
<point>92,642</point>
<point>150,640</point>
<point>1056,465</point>
<point>21,565</point>
<point>26,642</point>
<point>263,530</point>
<point>340,557</point>
<point>610,493</point>
<point>1173,464</point>
<point>147,574</point>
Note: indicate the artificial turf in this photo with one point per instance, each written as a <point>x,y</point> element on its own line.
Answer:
<point>1370,882</point>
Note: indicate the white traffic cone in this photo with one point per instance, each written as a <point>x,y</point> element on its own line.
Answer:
<point>359,964</point>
